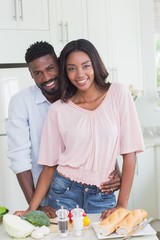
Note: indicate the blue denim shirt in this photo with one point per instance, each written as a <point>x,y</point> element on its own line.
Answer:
<point>27,111</point>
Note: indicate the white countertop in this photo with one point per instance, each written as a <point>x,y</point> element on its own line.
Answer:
<point>152,141</point>
<point>88,234</point>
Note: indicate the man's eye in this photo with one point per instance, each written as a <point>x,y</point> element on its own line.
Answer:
<point>51,69</point>
<point>37,73</point>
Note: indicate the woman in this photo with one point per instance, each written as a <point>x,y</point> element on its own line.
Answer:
<point>83,134</point>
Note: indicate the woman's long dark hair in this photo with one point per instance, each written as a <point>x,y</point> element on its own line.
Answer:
<point>100,71</point>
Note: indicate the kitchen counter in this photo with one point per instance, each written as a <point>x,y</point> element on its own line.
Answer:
<point>152,141</point>
<point>89,234</point>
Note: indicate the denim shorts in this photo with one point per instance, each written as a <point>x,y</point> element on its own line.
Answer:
<point>69,194</point>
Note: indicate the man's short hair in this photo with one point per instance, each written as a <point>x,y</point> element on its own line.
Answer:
<point>39,49</point>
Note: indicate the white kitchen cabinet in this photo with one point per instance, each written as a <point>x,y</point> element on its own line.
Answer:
<point>22,22</point>
<point>13,44</point>
<point>144,191</point>
<point>24,14</point>
<point>114,27</point>
<point>66,23</point>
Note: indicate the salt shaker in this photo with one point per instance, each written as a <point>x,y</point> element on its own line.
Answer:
<point>77,220</point>
<point>62,222</point>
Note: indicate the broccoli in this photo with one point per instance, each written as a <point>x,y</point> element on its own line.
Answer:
<point>37,218</point>
<point>3,210</point>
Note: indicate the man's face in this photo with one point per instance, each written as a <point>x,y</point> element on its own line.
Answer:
<point>45,72</point>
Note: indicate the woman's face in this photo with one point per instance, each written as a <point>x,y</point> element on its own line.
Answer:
<point>80,70</point>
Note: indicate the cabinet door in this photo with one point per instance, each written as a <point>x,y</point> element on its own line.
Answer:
<point>98,23</point>
<point>114,28</point>
<point>24,14</point>
<point>8,14</point>
<point>74,21</point>
<point>33,14</point>
<point>145,183</point>
<point>125,41</point>
<point>66,23</point>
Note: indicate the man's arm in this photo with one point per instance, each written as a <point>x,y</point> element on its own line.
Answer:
<point>19,148</point>
<point>42,188</point>
<point>25,180</point>
<point>26,183</point>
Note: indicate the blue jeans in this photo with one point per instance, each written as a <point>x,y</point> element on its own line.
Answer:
<point>67,193</point>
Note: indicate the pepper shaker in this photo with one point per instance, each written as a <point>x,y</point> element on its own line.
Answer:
<point>62,215</point>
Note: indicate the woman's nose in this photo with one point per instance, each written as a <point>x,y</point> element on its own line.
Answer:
<point>80,72</point>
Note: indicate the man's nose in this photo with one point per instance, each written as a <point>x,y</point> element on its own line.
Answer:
<point>46,76</point>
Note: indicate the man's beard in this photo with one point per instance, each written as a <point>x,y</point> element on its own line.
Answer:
<point>53,91</point>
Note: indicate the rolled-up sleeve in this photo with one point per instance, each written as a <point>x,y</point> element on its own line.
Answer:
<point>18,136</point>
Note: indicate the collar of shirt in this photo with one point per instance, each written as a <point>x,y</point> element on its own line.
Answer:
<point>39,96</point>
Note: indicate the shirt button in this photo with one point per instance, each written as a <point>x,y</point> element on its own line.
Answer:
<point>86,189</point>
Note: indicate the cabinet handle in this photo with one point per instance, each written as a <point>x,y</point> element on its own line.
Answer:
<point>61,32</point>
<point>115,75</point>
<point>66,28</point>
<point>21,10</point>
<point>14,10</point>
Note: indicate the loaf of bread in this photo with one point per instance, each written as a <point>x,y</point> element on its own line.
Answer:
<point>130,221</point>
<point>108,225</point>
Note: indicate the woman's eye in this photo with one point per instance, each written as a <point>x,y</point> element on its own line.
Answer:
<point>86,66</point>
<point>70,69</point>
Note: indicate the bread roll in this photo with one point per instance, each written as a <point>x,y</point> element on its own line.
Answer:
<point>108,225</point>
<point>130,221</point>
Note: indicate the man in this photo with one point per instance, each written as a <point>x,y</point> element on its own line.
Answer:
<point>27,111</point>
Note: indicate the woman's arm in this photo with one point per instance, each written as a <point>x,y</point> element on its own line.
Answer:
<point>42,187</point>
<point>128,169</point>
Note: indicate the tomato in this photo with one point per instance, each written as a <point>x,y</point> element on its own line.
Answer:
<point>86,221</point>
<point>84,214</point>
<point>70,217</point>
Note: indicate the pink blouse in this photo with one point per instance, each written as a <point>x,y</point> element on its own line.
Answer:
<point>85,144</point>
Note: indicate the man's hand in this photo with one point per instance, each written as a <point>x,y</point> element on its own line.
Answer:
<point>51,212</point>
<point>21,213</point>
<point>113,184</point>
